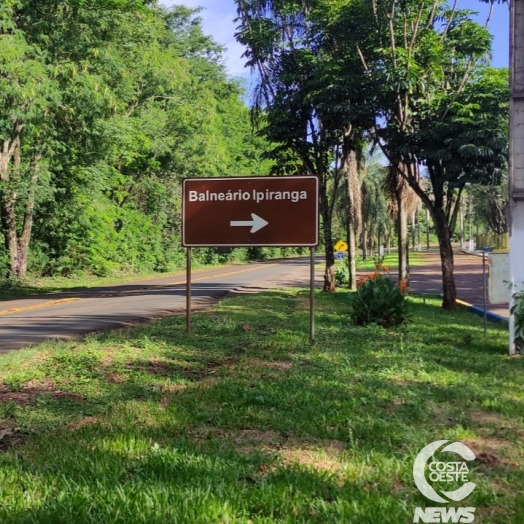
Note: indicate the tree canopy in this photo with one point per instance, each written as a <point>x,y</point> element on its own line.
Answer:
<point>106,106</point>
<point>411,77</point>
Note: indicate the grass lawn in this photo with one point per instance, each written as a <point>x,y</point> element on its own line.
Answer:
<point>415,259</point>
<point>391,260</point>
<point>245,422</point>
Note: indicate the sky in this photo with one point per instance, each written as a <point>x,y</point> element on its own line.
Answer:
<point>218,15</point>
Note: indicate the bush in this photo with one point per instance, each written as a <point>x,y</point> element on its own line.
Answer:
<point>342,277</point>
<point>378,300</point>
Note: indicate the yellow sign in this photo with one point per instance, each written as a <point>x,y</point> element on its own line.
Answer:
<point>341,246</point>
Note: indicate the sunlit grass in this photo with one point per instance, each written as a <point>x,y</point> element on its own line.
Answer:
<point>245,421</point>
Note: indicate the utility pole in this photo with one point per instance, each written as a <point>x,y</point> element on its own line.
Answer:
<point>516,158</point>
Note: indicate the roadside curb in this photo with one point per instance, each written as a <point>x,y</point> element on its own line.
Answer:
<point>492,317</point>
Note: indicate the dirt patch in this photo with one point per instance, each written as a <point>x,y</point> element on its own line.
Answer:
<point>443,416</point>
<point>243,441</point>
<point>110,353</point>
<point>153,367</point>
<point>248,440</point>
<point>492,451</point>
<point>9,437</point>
<point>324,455</point>
<point>279,365</point>
<point>489,418</point>
<point>65,395</point>
<point>213,366</point>
<point>74,426</point>
<point>115,378</point>
<point>28,395</point>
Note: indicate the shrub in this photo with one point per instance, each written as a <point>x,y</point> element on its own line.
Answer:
<point>378,300</point>
<point>342,277</point>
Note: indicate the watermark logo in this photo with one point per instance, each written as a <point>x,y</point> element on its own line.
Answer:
<point>442,472</point>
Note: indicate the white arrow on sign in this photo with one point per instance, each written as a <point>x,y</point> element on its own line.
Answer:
<point>256,223</point>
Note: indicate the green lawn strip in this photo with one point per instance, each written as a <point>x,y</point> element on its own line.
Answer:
<point>415,259</point>
<point>244,421</point>
<point>391,260</point>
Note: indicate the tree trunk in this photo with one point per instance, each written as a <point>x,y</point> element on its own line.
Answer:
<point>419,246</point>
<point>446,257</point>
<point>351,182</point>
<point>325,210</point>
<point>413,230</point>
<point>352,255</point>
<point>364,241</point>
<point>428,243</point>
<point>25,237</point>
<point>7,212</point>
<point>403,241</point>
<point>471,243</point>
<point>461,225</point>
<point>10,161</point>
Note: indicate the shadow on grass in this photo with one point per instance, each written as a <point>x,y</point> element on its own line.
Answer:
<point>216,425</point>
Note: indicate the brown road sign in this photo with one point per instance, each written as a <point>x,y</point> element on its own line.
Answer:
<point>250,211</point>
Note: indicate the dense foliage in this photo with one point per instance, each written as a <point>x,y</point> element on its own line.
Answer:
<point>105,107</point>
<point>410,77</point>
<point>378,300</point>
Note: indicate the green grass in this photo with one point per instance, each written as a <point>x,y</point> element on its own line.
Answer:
<point>245,422</point>
<point>391,260</point>
<point>415,259</point>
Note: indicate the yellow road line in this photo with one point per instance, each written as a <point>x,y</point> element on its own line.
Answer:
<point>66,300</point>
<point>222,275</point>
<point>38,306</point>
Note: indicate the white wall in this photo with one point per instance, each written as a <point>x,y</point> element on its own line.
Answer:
<point>498,282</point>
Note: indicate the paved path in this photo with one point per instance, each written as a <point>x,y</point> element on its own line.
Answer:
<point>468,278</point>
<point>27,321</point>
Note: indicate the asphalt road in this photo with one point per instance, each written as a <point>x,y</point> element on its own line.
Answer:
<point>27,321</point>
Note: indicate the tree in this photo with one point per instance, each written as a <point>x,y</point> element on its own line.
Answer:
<point>26,92</point>
<point>313,99</point>
<point>435,105</point>
<point>491,206</point>
<point>106,107</point>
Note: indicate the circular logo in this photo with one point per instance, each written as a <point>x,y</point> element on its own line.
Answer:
<point>443,471</point>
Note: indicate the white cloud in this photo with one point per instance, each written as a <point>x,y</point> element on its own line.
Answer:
<point>218,21</point>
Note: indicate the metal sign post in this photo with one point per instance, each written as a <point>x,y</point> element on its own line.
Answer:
<point>312,294</point>
<point>188,290</point>
<point>248,212</point>
<point>484,286</point>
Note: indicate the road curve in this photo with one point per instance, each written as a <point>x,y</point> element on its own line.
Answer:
<point>28,321</point>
